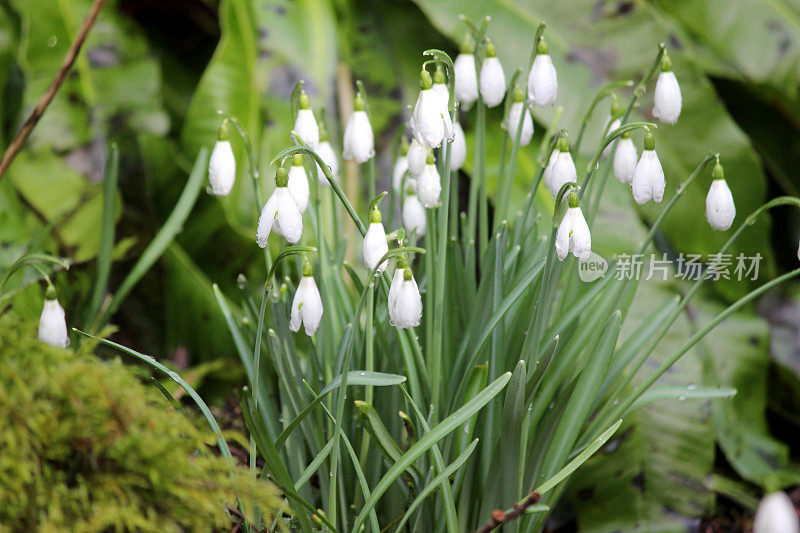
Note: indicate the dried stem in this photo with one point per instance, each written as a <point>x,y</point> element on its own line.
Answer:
<point>500,517</point>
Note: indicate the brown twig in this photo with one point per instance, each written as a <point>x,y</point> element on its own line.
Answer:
<point>500,517</point>
<point>16,144</point>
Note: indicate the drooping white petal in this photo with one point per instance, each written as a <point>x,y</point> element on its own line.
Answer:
<point>414,216</point>
<point>648,178</point>
<point>417,156</point>
<point>394,288</point>
<point>563,236</point>
<point>298,186</point>
<point>53,324</point>
<point>267,220</point>
<point>375,246</point>
<point>667,100</point>
<point>328,155</point>
<point>776,514</point>
<point>548,170</point>
<point>573,236</point>
<point>493,82</point>
<point>466,79</point>
<point>563,172</point>
<point>400,168</point>
<point>720,210</point>
<point>512,123</point>
<point>306,127</point>
<point>306,307</point>
<point>442,92</point>
<point>542,81</point>
<point>405,310</point>
<point>625,159</point>
<point>429,186</point>
<point>359,142</point>
<point>458,148</point>
<point>222,169</point>
<point>428,121</point>
<point>611,125</point>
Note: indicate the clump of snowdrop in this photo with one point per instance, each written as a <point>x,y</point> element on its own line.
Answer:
<point>720,210</point>
<point>416,157</point>
<point>493,79</point>
<point>404,301</point>
<point>542,79</point>
<point>466,76</point>
<point>429,185</point>
<point>375,243</point>
<point>776,514</point>
<point>648,180</point>
<point>625,159</point>
<point>359,142</point>
<point>280,213</point>
<point>222,164</point>
<point>400,166</point>
<point>298,183</point>
<point>563,169</point>
<point>573,234</point>
<point>328,155</point>
<point>413,214</point>
<point>458,148</point>
<point>52,323</point>
<point>307,303</point>
<point>430,121</point>
<point>667,100</point>
<point>305,125</point>
<point>516,112</point>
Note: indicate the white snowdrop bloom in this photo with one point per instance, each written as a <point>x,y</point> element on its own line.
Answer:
<point>563,170</point>
<point>430,121</point>
<point>465,75</point>
<point>776,514</point>
<point>359,142</point>
<point>328,155</point>
<point>548,170</point>
<point>405,302</point>
<point>440,86</point>
<point>648,180</point>
<point>429,185</point>
<point>458,148</point>
<point>511,123</point>
<point>625,159</point>
<point>612,125</point>
<point>305,125</point>
<point>493,79</point>
<point>52,323</point>
<point>375,243</point>
<point>280,213</point>
<point>667,100</point>
<point>416,157</point>
<point>542,79</point>
<point>400,167</point>
<point>222,164</point>
<point>720,210</point>
<point>298,183</point>
<point>414,215</point>
<point>573,233</point>
<point>307,304</point>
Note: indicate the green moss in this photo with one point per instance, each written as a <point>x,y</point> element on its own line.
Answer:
<point>85,446</point>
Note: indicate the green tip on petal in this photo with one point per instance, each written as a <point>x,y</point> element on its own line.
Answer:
<point>307,270</point>
<point>425,81</point>
<point>649,141</point>
<point>224,131</point>
<point>626,135</point>
<point>50,294</point>
<point>518,95</point>
<point>572,199</point>
<point>297,160</point>
<point>358,103</point>
<point>718,173</point>
<point>666,63</point>
<point>467,45</point>
<point>430,160</point>
<point>541,47</point>
<point>408,275</point>
<point>281,177</point>
<point>304,101</point>
<point>375,216</point>
<point>491,51</point>
<point>404,146</point>
<point>438,75</point>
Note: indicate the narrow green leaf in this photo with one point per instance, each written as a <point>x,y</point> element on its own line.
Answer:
<point>108,231</point>
<point>689,392</point>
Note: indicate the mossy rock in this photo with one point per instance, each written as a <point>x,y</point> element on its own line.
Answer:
<point>85,446</point>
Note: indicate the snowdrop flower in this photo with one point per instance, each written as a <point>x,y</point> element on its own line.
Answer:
<point>493,80</point>
<point>542,80</point>
<point>720,210</point>
<point>458,148</point>
<point>648,177</point>
<point>375,243</point>
<point>328,155</point>
<point>466,77</point>
<point>416,157</point>
<point>307,303</point>
<point>52,323</point>
<point>776,514</point>
<point>667,100</point>
<point>430,121</point>
<point>305,125</point>
<point>405,302</point>
<point>413,215</point>
<point>515,112</point>
<point>573,233</point>
<point>625,159</point>
<point>222,164</point>
<point>298,183</point>
<point>548,170</point>
<point>429,185</point>
<point>563,170</point>
<point>280,213</point>
<point>359,143</point>
<point>400,167</point>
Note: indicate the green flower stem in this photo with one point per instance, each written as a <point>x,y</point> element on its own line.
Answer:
<point>599,97</point>
<point>431,282</point>
<point>257,369</point>
<point>528,209</point>
<point>30,259</point>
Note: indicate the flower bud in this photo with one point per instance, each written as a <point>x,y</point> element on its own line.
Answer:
<point>563,170</point>
<point>305,125</point>
<point>405,302</point>
<point>776,514</point>
<point>307,304</point>
<point>625,159</point>
<point>359,142</point>
<point>53,323</point>
<point>466,77</point>
<point>720,210</point>
<point>222,164</point>
<point>493,79</point>
<point>516,111</point>
<point>429,185</point>
<point>648,180</point>
<point>667,100</point>
<point>542,79</point>
<point>298,183</point>
<point>375,243</point>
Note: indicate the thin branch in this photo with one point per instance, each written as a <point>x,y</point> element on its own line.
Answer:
<point>500,517</point>
<point>16,144</point>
